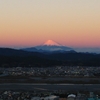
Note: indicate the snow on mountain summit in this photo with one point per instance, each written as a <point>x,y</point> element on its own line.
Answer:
<point>51,43</point>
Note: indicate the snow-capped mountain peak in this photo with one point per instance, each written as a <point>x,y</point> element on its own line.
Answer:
<point>51,43</point>
<point>49,46</point>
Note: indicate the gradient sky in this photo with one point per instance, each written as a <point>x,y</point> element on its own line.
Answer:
<point>74,23</point>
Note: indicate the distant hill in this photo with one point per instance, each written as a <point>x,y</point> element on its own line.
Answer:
<point>12,52</point>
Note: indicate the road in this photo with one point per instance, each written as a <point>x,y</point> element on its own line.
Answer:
<point>50,87</point>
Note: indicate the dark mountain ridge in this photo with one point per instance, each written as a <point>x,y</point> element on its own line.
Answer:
<point>13,57</point>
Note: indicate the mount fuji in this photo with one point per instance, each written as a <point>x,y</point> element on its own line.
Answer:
<point>51,43</point>
<point>49,46</point>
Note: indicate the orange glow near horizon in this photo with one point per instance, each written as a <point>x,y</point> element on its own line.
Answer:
<point>73,23</point>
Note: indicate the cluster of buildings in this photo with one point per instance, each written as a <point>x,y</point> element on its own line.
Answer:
<point>31,95</point>
<point>52,71</point>
<point>22,95</point>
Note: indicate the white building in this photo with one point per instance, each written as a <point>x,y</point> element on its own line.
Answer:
<point>52,97</point>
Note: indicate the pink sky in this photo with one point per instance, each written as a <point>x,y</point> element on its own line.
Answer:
<point>74,23</point>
